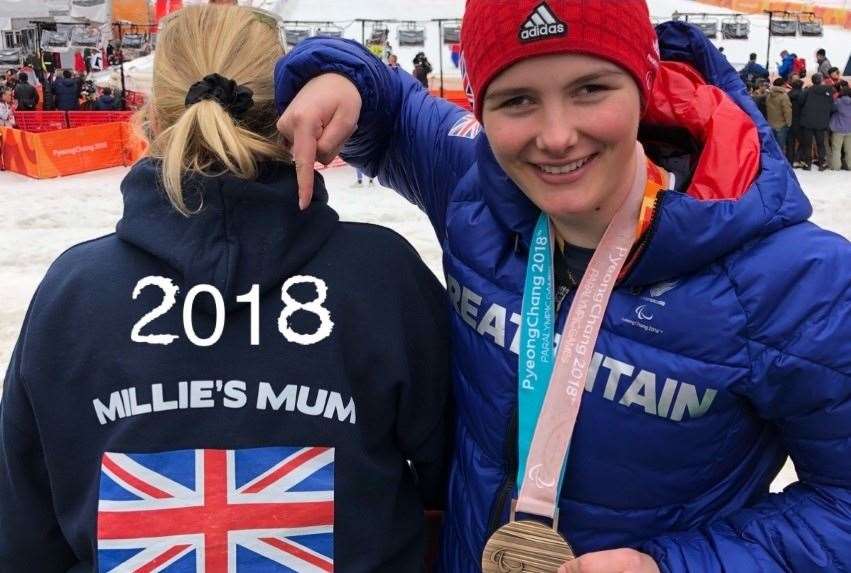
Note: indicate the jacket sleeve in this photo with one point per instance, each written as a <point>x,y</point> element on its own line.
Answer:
<point>800,349</point>
<point>424,415</point>
<point>30,536</point>
<point>403,132</point>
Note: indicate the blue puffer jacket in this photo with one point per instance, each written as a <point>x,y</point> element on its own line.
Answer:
<point>725,348</point>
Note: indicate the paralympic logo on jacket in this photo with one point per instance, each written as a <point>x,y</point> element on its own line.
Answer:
<point>626,384</point>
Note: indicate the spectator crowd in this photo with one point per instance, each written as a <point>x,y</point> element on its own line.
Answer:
<point>63,90</point>
<point>810,116</point>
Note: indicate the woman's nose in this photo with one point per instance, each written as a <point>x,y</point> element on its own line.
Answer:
<point>558,131</point>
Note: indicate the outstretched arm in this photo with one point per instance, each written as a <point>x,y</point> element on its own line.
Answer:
<point>382,120</point>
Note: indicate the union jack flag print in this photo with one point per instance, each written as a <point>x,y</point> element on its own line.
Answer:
<point>468,126</point>
<point>217,511</point>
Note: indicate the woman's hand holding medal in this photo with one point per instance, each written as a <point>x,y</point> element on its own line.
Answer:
<point>612,561</point>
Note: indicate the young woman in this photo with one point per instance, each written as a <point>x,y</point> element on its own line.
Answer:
<point>226,383</point>
<point>724,347</point>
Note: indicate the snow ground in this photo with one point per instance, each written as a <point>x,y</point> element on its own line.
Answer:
<point>39,219</point>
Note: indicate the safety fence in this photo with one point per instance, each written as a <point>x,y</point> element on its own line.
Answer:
<point>44,121</point>
<point>71,150</point>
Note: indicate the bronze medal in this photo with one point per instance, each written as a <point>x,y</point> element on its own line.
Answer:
<point>525,547</point>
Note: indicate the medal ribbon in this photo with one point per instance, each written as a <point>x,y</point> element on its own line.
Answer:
<point>550,391</point>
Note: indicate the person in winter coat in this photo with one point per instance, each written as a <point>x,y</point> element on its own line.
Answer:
<point>725,346</point>
<point>7,111</point>
<point>752,71</point>
<point>106,101</point>
<point>824,64</point>
<point>816,106</point>
<point>794,137</point>
<point>47,88</point>
<point>66,92</point>
<point>760,94</point>
<point>786,65</point>
<point>25,94</point>
<point>422,68</point>
<point>840,130</point>
<point>779,112</point>
<point>225,382</point>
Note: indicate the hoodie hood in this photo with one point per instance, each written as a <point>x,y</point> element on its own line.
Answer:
<point>246,232</point>
<point>740,186</point>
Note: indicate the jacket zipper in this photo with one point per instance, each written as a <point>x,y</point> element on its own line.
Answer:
<point>645,240</point>
<point>507,486</point>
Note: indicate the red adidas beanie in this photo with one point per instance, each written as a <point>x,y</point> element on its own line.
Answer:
<point>498,33</point>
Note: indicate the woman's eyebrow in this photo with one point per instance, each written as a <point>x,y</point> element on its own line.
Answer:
<point>506,93</point>
<point>594,76</point>
<point>515,91</point>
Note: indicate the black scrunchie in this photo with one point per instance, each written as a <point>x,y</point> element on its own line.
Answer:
<point>235,99</point>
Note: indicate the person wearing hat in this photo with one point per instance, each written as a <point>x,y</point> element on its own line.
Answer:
<point>615,191</point>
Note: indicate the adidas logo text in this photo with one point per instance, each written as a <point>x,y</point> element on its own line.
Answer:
<point>542,24</point>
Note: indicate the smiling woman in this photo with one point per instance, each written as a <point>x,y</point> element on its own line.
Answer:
<point>623,192</point>
<point>563,128</point>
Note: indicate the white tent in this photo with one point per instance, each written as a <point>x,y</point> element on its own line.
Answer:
<point>138,76</point>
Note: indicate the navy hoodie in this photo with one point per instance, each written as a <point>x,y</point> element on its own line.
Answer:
<point>312,450</point>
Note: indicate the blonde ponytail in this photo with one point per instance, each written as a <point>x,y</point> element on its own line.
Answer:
<point>203,137</point>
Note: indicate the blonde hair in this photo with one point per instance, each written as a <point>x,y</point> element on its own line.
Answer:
<point>204,138</point>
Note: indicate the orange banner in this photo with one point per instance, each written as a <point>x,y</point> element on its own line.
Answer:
<point>69,151</point>
<point>748,6</point>
<point>830,15</point>
<point>134,11</point>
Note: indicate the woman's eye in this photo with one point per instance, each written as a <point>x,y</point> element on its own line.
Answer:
<point>516,102</point>
<point>592,89</point>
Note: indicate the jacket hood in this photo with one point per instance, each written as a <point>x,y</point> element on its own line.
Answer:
<point>776,90</point>
<point>246,232</point>
<point>740,188</point>
<point>843,104</point>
